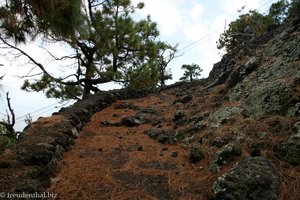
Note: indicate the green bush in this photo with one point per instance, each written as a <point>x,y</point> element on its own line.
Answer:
<point>144,76</point>
<point>6,141</point>
<point>252,24</point>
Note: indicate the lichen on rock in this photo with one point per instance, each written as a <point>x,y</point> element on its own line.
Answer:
<point>252,178</point>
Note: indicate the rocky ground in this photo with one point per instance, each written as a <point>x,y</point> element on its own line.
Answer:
<point>234,135</point>
<point>114,158</point>
<point>174,145</point>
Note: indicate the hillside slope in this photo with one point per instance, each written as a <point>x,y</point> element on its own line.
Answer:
<point>234,135</point>
<point>174,144</point>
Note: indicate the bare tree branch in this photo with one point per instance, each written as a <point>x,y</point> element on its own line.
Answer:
<point>9,125</point>
<point>38,64</point>
<point>10,110</point>
<point>97,4</point>
<point>29,75</point>
<point>56,58</point>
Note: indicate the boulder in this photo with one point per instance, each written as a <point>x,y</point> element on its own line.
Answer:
<point>289,151</point>
<point>130,121</point>
<point>126,105</point>
<point>148,111</point>
<point>239,74</point>
<point>219,142</point>
<point>269,98</point>
<point>162,136</point>
<point>184,99</point>
<point>144,116</point>
<point>225,155</point>
<point>196,155</point>
<point>252,178</point>
<point>179,117</point>
<point>221,70</point>
<point>225,115</point>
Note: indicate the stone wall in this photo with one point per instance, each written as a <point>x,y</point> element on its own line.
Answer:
<point>27,166</point>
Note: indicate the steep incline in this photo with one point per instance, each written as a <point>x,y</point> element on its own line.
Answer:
<point>242,123</point>
<point>121,162</point>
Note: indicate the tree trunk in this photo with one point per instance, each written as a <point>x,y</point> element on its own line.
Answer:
<point>162,76</point>
<point>87,82</point>
<point>86,89</point>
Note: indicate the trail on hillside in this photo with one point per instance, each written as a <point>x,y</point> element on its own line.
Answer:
<point>112,161</point>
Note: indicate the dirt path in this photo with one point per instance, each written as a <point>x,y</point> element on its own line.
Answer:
<point>118,162</point>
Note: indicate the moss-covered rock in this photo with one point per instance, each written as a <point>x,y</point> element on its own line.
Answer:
<point>289,150</point>
<point>225,155</point>
<point>252,178</point>
<point>225,115</point>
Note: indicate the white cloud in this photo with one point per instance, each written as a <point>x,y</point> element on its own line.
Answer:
<point>176,17</point>
<point>195,31</point>
<point>232,6</point>
<point>197,11</point>
<point>166,13</point>
<point>189,22</point>
<point>195,25</point>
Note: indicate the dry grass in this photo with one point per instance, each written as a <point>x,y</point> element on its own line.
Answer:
<point>290,180</point>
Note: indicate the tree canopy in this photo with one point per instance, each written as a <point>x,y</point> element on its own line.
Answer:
<point>21,19</point>
<point>253,24</point>
<point>293,11</point>
<point>191,73</point>
<point>108,44</point>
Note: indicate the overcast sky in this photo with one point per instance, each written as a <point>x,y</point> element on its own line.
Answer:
<point>197,22</point>
<point>193,24</point>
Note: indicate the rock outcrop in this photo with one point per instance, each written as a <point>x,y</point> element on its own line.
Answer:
<point>252,178</point>
<point>289,150</point>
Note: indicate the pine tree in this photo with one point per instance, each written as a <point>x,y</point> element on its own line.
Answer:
<point>107,42</point>
<point>191,73</point>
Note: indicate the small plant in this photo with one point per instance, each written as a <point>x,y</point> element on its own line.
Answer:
<point>28,119</point>
<point>5,141</point>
